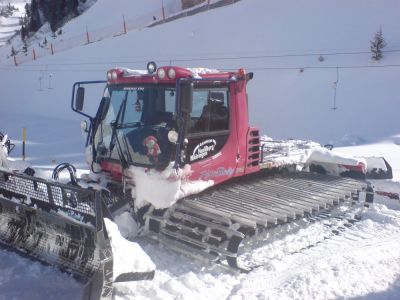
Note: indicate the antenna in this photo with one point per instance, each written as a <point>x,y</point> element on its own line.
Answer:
<point>50,76</point>
<point>335,85</point>
<point>40,80</point>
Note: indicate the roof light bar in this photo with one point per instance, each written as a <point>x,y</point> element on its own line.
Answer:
<point>171,73</point>
<point>161,73</point>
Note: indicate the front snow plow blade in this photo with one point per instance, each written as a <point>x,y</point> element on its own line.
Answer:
<point>60,225</point>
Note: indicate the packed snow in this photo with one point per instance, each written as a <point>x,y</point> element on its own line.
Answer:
<point>302,154</point>
<point>137,261</point>
<point>291,95</point>
<point>163,189</point>
<point>295,261</point>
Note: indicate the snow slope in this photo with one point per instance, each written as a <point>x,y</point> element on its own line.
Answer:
<point>269,39</point>
<point>8,25</point>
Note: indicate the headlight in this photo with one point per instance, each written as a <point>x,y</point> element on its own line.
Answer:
<point>172,136</point>
<point>84,126</point>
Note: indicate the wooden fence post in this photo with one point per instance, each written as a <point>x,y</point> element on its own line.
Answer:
<point>87,36</point>
<point>34,53</point>
<point>23,142</point>
<point>52,49</point>
<point>15,61</point>
<point>123,18</point>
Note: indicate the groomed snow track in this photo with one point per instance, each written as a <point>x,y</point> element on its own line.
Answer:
<point>213,224</point>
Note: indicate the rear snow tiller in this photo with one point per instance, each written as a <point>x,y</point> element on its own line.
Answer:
<point>58,224</point>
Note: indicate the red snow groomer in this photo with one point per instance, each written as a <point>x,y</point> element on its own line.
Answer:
<point>179,141</point>
<point>175,148</point>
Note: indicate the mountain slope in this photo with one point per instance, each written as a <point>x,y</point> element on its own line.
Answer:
<point>281,46</point>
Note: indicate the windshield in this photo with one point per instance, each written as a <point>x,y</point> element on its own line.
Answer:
<point>135,125</point>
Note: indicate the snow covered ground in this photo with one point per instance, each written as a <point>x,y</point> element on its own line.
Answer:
<point>363,262</point>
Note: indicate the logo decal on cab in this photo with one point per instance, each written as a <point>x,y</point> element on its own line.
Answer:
<point>203,149</point>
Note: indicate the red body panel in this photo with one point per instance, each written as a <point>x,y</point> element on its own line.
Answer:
<point>238,156</point>
<point>115,169</point>
<point>360,168</point>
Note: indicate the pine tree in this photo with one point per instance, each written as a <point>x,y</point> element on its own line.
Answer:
<point>25,48</point>
<point>377,44</point>
<point>71,8</point>
<point>56,12</point>
<point>23,32</point>
<point>27,12</point>
<point>34,21</point>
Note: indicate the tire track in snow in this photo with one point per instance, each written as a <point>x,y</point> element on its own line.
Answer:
<point>353,244</point>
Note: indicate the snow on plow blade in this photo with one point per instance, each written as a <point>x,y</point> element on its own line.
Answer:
<point>60,225</point>
<point>378,168</point>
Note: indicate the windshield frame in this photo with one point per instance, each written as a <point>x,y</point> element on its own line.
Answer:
<point>117,148</point>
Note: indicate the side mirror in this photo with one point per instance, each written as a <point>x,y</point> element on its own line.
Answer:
<point>79,99</point>
<point>186,97</point>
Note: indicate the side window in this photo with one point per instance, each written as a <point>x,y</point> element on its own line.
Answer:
<point>170,100</point>
<point>118,97</point>
<point>104,135</point>
<point>210,110</point>
<point>133,110</point>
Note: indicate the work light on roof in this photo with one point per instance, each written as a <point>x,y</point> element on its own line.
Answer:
<point>114,75</point>
<point>161,73</point>
<point>171,73</point>
<point>108,75</point>
<point>151,67</point>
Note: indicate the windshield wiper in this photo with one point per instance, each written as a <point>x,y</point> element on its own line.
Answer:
<point>115,126</point>
<point>130,125</point>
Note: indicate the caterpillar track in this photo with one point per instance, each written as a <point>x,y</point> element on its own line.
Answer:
<point>213,224</point>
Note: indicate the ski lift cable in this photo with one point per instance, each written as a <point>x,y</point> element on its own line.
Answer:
<point>208,58</point>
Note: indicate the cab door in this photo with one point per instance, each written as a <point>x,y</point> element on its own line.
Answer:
<point>208,134</point>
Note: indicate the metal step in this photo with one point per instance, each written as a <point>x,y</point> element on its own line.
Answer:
<point>216,221</point>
